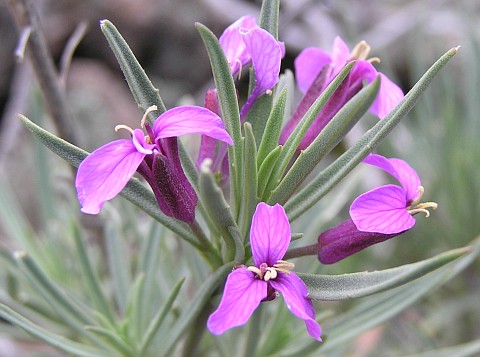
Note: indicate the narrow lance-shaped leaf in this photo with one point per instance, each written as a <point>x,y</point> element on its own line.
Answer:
<point>227,98</point>
<point>198,304</point>
<point>266,169</point>
<point>301,129</point>
<point>144,92</point>
<point>134,191</point>
<point>220,212</point>
<point>328,138</point>
<point>328,178</point>
<point>356,285</point>
<point>50,338</point>
<point>273,127</point>
<point>250,179</point>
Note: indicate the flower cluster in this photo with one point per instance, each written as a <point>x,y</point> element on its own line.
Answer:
<point>375,216</point>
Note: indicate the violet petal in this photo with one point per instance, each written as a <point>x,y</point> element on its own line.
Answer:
<point>388,97</point>
<point>399,169</point>
<point>105,172</point>
<point>308,65</point>
<point>270,234</point>
<point>190,120</point>
<point>241,296</point>
<point>382,210</point>
<point>233,46</point>
<point>295,292</point>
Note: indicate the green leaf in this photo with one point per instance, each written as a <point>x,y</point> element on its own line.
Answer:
<point>219,212</point>
<point>273,128</point>
<point>113,339</point>
<point>266,170</point>
<point>380,308</point>
<point>249,181</point>
<point>157,320</point>
<point>227,97</point>
<point>198,304</point>
<point>140,85</point>
<point>329,137</point>
<point>350,286</point>
<point>301,129</point>
<point>320,185</point>
<point>90,277</point>
<point>464,350</point>
<point>134,191</point>
<point>269,16</point>
<point>50,338</point>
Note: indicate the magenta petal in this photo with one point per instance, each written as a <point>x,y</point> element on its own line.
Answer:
<point>388,97</point>
<point>138,139</point>
<point>233,46</point>
<point>382,210</point>
<point>295,294</point>
<point>399,169</point>
<point>270,234</point>
<point>190,120</point>
<point>105,172</point>
<point>266,56</point>
<point>241,296</point>
<point>308,66</point>
<point>340,54</point>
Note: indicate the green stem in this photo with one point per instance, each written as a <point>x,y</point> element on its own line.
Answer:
<point>302,251</point>
<point>208,252</point>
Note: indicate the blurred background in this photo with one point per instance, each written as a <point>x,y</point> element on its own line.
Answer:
<point>439,138</point>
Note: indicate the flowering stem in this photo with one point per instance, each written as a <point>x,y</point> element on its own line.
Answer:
<point>302,251</point>
<point>208,250</point>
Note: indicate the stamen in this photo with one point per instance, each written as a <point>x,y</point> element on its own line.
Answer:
<point>148,111</point>
<point>271,273</point>
<point>423,208</point>
<point>360,51</point>
<point>126,127</point>
<point>241,68</point>
<point>268,92</point>
<point>420,191</point>
<point>374,60</point>
<point>256,271</point>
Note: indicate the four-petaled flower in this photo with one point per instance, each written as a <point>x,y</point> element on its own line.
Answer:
<point>315,69</point>
<point>389,209</point>
<point>377,215</point>
<point>106,171</point>
<point>246,287</point>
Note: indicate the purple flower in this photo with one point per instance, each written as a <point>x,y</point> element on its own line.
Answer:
<point>389,209</point>
<point>243,42</point>
<point>377,215</point>
<point>246,287</point>
<point>315,69</point>
<point>106,171</point>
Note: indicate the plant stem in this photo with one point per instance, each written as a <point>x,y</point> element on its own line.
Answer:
<point>210,253</point>
<point>27,17</point>
<point>302,251</point>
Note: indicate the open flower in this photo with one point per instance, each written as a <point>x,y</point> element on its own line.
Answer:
<point>389,209</point>
<point>106,171</point>
<point>243,42</point>
<point>377,215</point>
<point>315,69</point>
<point>246,287</point>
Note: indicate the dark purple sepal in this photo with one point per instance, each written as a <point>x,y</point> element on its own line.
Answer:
<point>345,239</point>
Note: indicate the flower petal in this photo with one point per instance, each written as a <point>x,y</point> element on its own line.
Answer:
<point>266,56</point>
<point>340,54</point>
<point>190,120</point>
<point>308,66</point>
<point>399,169</point>
<point>105,172</point>
<point>382,210</point>
<point>270,234</point>
<point>388,97</point>
<point>241,296</point>
<point>295,294</point>
<point>233,46</point>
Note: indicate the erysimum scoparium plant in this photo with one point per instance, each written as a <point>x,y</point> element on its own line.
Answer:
<point>240,227</point>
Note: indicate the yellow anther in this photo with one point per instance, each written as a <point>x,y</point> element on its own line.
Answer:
<point>374,60</point>
<point>268,92</point>
<point>240,68</point>
<point>122,126</point>
<point>271,273</point>
<point>420,191</point>
<point>423,208</point>
<point>360,51</point>
<point>256,271</point>
<point>148,111</point>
